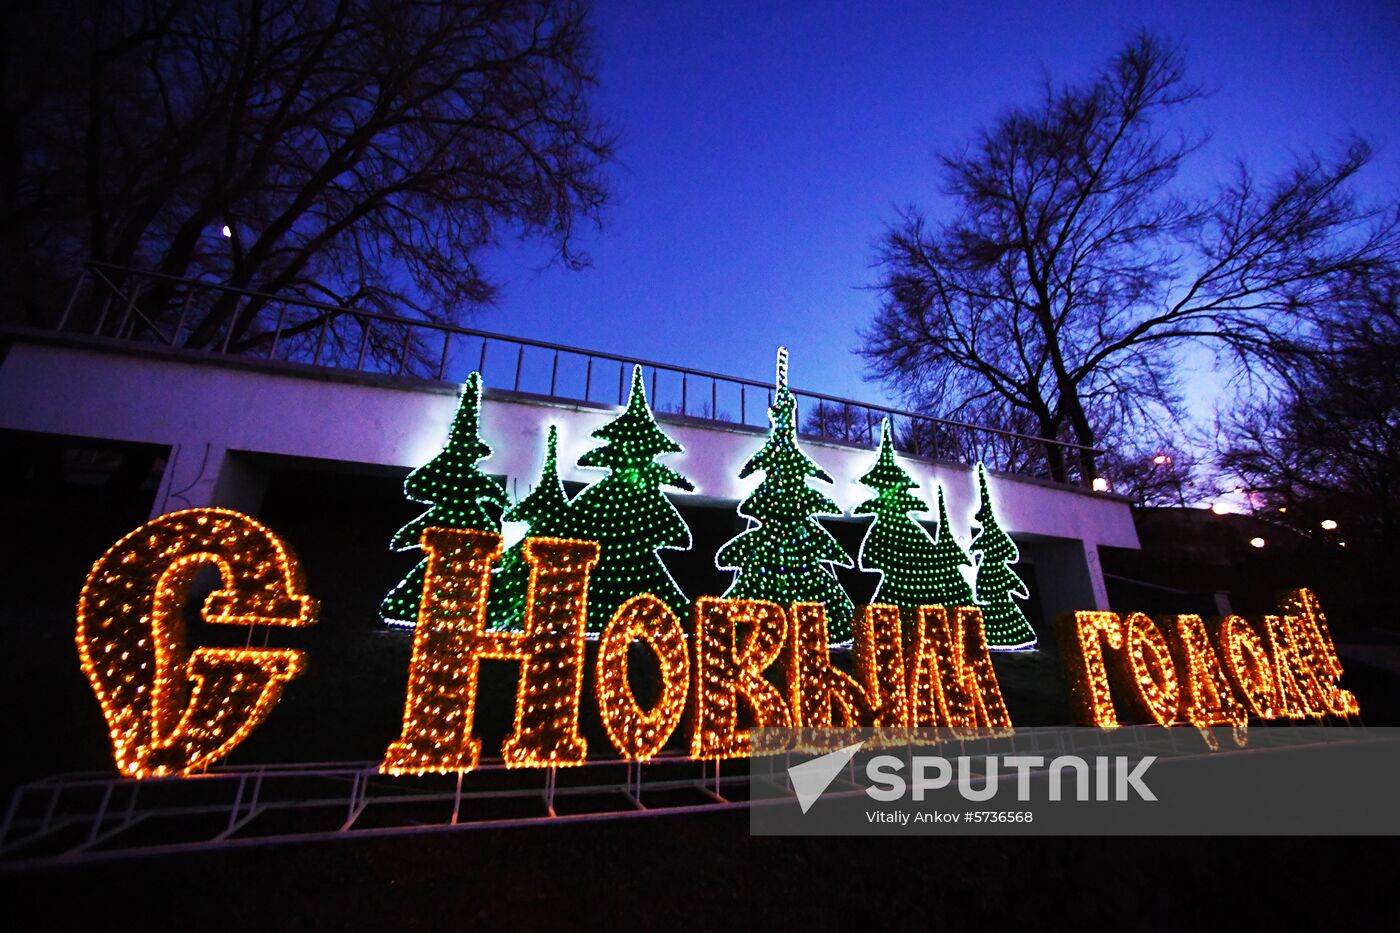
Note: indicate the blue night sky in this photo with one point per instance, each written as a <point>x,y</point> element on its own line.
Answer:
<point>764,145</point>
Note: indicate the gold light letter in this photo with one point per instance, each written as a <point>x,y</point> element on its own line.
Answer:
<point>736,640</point>
<point>170,711</point>
<point>636,733</point>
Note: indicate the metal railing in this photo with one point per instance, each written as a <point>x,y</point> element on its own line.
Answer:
<point>94,816</point>
<point>80,817</point>
<point>180,313</point>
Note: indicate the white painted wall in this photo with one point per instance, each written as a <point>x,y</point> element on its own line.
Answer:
<point>205,409</point>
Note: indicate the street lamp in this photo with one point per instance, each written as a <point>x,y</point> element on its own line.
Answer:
<point>1329,525</point>
<point>1100,484</point>
<point>1174,482</point>
<point>1256,542</point>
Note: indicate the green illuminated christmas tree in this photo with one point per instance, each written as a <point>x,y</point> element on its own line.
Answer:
<point>950,587</point>
<point>546,513</point>
<point>783,556</point>
<point>896,545</point>
<point>627,513</point>
<point>459,496</point>
<point>996,582</point>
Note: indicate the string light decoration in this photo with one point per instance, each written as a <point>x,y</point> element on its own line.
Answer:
<point>460,496</point>
<point>952,681</point>
<point>545,512</point>
<point>879,658</point>
<point>1207,675</point>
<point>168,710</point>
<point>450,641</point>
<point>1303,605</point>
<point>950,586</point>
<point>636,733</point>
<point>1082,636</point>
<point>440,707</point>
<point>736,640</point>
<point>822,694</point>
<point>626,512</point>
<point>551,671</point>
<point>1247,665</point>
<point>996,583</point>
<point>1299,693</point>
<point>1320,652</point>
<point>783,555</point>
<point>1146,664</point>
<point>912,572</point>
<point>1207,699</point>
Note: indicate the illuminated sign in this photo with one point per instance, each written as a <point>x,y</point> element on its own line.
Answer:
<point>172,710</point>
<point>589,568</point>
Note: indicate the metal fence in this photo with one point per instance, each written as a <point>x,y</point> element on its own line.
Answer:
<point>85,817</point>
<point>82,817</point>
<point>196,315</point>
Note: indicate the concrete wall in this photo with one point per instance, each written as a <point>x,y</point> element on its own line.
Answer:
<point>213,412</point>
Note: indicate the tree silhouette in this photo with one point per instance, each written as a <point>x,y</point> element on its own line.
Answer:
<point>545,511</point>
<point>997,583</point>
<point>460,496</point>
<point>950,586</point>
<point>329,139</point>
<point>783,555</point>
<point>895,545</point>
<point>1070,270</point>
<point>627,513</point>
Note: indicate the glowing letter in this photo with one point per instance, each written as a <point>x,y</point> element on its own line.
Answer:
<point>735,641</point>
<point>952,682</point>
<point>1146,663</point>
<point>822,694</point>
<point>1247,664</point>
<point>169,711</point>
<point>636,733</point>
<point>879,655</point>
<point>1082,636</point>
<point>450,642</point>
<point>1321,655</point>
<point>1206,697</point>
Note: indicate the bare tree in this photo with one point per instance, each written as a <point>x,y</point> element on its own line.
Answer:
<point>351,151</point>
<point>841,422</point>
<point>1162,475</point>
<point>701,409</point>
<point>1330,450</point>
<point>1072,268</point>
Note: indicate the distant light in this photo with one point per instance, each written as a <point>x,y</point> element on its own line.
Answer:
<point>1329,525</point>
<point>1256,542</point>
<point>1101,485</point>
<point>1283,508</point>
<point>226,231</point>
<point>1160,459</point>
<point>1219,508</point>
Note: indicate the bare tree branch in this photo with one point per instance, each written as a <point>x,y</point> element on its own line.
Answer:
<point>1073,270</point>
<point>378,148</point>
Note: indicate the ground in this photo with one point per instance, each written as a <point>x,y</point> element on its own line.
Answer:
<point>706,872</point>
